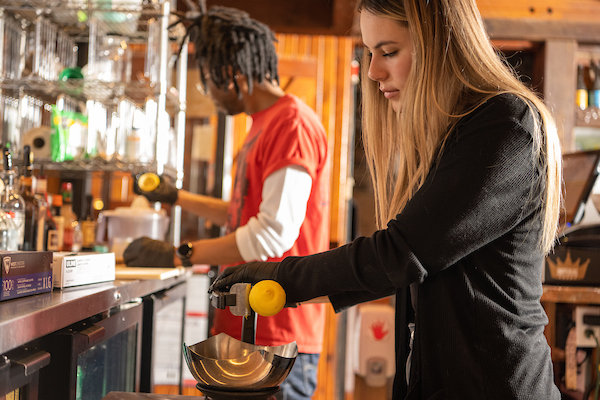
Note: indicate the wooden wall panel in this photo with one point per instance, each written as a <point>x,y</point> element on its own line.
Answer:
<point>344,139</point>
<point>332,102</point>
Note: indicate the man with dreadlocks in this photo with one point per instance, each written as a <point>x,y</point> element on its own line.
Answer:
<point>279,205</point>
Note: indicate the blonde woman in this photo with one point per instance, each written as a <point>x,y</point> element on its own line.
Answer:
<point>466,166</point>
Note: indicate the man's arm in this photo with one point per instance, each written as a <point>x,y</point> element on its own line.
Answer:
<point>208,207</point>
<point>282,211</point>
<point>272,232</point>
<point>220,250</point>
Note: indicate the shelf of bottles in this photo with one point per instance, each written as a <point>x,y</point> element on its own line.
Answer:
<point>107,115</point>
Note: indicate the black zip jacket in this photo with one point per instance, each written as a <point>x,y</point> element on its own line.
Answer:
<point>468,245</point>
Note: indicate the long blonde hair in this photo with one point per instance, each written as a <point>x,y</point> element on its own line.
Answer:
<point>454,70</point>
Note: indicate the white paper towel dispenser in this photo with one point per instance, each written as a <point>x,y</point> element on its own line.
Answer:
<point>375,355</point>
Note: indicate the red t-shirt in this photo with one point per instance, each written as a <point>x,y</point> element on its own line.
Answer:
<point>287,133</point>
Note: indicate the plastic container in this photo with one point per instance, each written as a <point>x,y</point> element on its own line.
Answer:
<point>119,227</point>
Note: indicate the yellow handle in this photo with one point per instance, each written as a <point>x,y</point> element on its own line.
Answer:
<point>267,298</point>
<point>148,181</point>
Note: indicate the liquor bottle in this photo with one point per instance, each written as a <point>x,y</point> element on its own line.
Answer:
<point>45,222</point>
<point>581,95</point>
<point>594,95</point>
<point>40,184</point>
<point>8,230</point>
<point>31,202</point>
<point>8,233</point>
<point>88,225</point>
<point>56,237</point>
<point>11,201</point>
<point>70,217</point>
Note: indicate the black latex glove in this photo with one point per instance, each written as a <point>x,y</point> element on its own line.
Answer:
<point>165,192</point>
<point>252,273</point>
<point>146,252</point>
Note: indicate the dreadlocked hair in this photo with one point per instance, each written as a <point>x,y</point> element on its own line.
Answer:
<point>226,37</point>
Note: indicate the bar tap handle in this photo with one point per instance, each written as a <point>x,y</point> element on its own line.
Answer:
<point>237,301</point>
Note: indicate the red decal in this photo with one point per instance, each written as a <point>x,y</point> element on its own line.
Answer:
<point>379,330</point>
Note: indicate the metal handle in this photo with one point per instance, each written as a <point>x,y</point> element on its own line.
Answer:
<point>34,362</point>
<point>249,328</point>
<point>222,299</point>
<point>94,333</point>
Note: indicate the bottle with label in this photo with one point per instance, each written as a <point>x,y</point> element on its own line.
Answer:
<point>11,201</point>
<point>70,217</point>
<point>594,95</point>
<point>581,95</point>
<point>56,237</point>
<point>32,205</point>
<point>88,225</point>
<point>40,190</point>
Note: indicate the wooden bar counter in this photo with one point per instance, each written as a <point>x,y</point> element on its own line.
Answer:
<point>555,294</point>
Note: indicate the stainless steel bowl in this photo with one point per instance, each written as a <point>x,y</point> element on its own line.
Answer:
<point>224,363</point>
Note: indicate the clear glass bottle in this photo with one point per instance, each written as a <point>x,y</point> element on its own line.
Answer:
<point>11,201</point>
<point>8,233</point>
<point>77,243</point>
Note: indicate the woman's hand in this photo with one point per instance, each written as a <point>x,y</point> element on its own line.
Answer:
<point>252,273</point>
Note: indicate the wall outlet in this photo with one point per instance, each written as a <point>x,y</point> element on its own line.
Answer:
<point>581,327</point>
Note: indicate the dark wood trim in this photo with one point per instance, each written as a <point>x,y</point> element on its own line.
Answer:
<point>516,45</point>
<point>536,30</point>
<point>345,21</point>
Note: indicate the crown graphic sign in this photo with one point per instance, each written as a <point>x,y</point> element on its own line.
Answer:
<point>568,270</point>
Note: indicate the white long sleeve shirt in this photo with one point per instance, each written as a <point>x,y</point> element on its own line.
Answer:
<point>282,210</point>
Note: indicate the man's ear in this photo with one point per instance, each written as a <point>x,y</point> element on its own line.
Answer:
<point>237,76</point>
<point>241,80</point>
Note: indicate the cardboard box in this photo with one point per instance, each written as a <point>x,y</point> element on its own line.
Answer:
<point>25,273</point>
<point>75,269</point>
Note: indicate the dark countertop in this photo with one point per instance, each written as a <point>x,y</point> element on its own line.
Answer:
<point>25,319</point>
<point>148,396</point>
<point>223,396</point>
